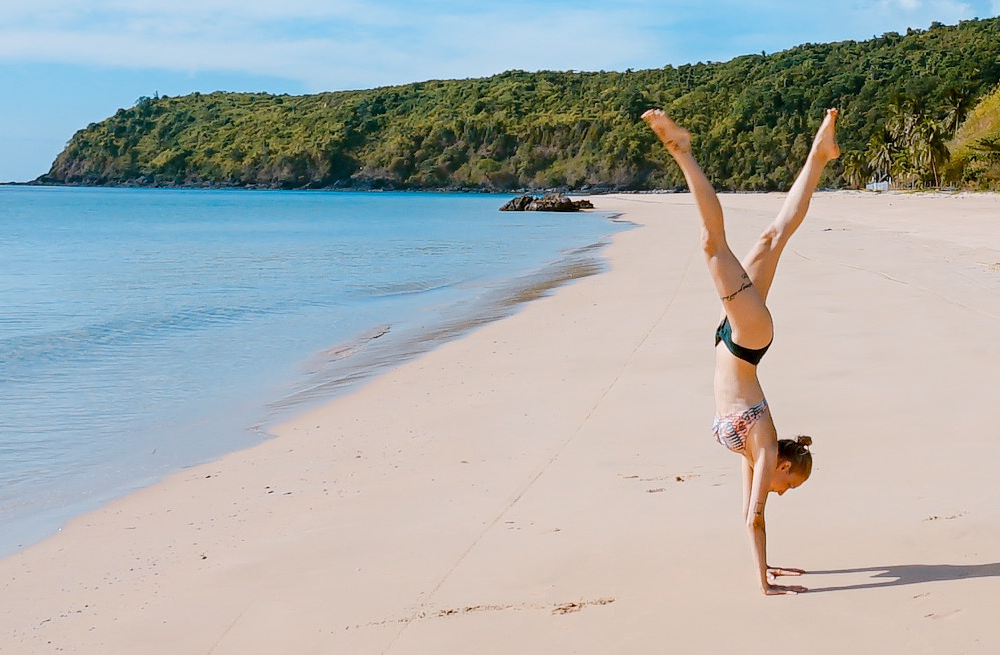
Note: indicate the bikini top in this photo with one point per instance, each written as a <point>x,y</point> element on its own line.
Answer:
<point>750,355</point>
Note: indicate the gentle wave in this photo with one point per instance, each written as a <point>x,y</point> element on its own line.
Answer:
<point>96,339</point>
<point>402,288</point>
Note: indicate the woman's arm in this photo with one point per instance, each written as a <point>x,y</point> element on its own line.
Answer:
<point>756,499</point>
<point>757,482</point>
<point>747,483</point>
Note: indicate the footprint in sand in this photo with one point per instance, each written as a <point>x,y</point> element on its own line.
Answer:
<point>943,615</point>
<point>671,477</point>
<point>957,515</point>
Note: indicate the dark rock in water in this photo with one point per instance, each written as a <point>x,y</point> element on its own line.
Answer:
<point>518,204</point>
<point>552,202</point>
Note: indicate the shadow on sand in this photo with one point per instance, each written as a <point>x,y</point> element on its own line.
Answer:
<point>906,574</point>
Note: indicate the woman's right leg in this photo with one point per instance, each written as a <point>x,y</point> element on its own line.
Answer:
<point>748,316</point>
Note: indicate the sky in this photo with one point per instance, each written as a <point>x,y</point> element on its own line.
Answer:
<point>67,63</point>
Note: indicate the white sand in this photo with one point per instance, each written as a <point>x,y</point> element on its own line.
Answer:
<point>548,484</point>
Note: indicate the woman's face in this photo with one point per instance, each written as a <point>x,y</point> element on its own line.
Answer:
<point>783,479</point>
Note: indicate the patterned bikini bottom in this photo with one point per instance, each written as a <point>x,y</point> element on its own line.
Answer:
<point>733,429</point>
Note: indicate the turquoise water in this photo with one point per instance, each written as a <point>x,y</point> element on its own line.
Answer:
<point>143,331</point>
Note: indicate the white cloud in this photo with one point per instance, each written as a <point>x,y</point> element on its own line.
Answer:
<point>358,43</point>
<point>944,11</point>
<point>325,45</point>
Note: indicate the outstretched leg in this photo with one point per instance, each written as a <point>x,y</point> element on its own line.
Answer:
<point>762,260</point>
<point>747,313</point>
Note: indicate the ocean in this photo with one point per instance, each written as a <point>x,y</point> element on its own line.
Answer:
<point>143,331</point>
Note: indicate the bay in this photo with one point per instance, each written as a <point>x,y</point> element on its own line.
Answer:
<point>147,330</point>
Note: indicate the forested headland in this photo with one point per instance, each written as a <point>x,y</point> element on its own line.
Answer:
<point>907,106</point>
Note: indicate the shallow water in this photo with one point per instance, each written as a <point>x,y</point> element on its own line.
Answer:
<point>143,331</point>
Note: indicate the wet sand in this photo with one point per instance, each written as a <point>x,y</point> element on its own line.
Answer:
<point>548,483</point>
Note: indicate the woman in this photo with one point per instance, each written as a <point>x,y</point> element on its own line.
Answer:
<point>743,422</point>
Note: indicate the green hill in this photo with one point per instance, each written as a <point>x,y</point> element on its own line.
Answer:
<point>753,119</point>
<point>975,150</point>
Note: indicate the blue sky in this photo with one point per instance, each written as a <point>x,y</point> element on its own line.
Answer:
<point>67,63</point>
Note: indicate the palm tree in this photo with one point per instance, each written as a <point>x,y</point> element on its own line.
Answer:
<point>928,149</point>
<point>880,151</point>
<point>905,113</point>
<point>902,168</point>
<point>957,105</point>
<point>920,149</point>
<point>990,146</point>
<point>855,169</point>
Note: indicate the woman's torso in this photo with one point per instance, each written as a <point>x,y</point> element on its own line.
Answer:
<point>738,389</point>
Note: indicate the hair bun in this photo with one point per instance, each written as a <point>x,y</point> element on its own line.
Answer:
<point>803,440</point>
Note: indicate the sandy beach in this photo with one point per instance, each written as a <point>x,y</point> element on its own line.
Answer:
<point>549,484</point>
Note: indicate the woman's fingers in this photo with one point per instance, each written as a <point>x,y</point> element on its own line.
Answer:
<point>780,590</point>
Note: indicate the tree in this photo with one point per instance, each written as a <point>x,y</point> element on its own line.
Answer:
<point>958,102</point>
<point>856,171</point>
<point>881,148</point>
<point>928,148</point>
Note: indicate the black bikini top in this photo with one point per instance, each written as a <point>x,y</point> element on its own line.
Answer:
<point>749,355</point>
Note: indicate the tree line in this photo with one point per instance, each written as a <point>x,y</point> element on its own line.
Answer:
<point>902,98</point>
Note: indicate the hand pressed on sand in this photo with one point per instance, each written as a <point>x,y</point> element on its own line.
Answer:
<point>773,572</point>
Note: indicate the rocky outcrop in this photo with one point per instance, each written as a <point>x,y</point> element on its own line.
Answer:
<point>552,202</point>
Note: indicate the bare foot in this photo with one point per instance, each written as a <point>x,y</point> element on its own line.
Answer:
<point>675,138</point>
<point>825,143</point>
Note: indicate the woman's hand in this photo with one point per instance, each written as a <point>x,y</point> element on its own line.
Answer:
<point>774,571</point>
<point>780,590</point>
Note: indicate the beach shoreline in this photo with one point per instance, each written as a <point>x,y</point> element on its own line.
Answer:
<point>103,400</point>
<point>547,482</point>
<point>344,367</point>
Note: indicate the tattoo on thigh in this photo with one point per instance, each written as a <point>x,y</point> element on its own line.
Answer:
<point>746,285</point>
<point>759,509</point>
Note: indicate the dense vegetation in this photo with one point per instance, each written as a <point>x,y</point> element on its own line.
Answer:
<point>902,97</point>
<point>975,151</point>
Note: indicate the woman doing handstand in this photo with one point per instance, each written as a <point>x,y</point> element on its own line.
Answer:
<point>743,420</point>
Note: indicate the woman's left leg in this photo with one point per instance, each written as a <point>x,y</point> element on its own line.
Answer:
<point>762,260</point>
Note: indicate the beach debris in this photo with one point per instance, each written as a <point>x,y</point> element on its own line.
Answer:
<point>420,614</point>
<point>550,202</point>
<point>569,608</point>
<point>935,517</point>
